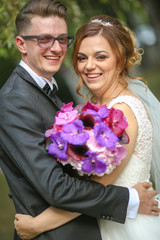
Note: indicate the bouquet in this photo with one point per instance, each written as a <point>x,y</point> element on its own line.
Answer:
<point>89,138</point>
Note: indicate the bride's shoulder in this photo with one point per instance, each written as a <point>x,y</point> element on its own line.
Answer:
<point>130,105</point>
<point>127,98</point>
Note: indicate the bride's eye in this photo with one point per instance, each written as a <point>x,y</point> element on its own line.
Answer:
<point>81,58</point>
<point>101,57</point>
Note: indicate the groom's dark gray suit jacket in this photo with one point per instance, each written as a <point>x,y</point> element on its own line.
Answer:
<point>35,179</point>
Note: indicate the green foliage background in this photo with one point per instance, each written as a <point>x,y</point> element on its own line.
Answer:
<point>79,11</point>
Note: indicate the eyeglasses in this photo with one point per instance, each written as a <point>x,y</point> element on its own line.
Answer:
<point>47,41</point>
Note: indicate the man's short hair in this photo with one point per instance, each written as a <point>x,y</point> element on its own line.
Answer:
<point>43,8</point>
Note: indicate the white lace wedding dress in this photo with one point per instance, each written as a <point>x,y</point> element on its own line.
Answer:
<point>137,170</point>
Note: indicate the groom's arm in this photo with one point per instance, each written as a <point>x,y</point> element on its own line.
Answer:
<point>25,141</point>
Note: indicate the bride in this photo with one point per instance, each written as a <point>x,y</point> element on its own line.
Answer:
<point>104,53</point>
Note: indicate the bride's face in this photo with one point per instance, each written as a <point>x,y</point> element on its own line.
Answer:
<point>97,64</point>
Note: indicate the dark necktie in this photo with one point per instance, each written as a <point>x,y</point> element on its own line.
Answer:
<point>48,91</point>
<point>51,94</point>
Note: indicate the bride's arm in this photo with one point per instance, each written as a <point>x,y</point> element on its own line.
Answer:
<point>29,227</point>
<point>131,130</point>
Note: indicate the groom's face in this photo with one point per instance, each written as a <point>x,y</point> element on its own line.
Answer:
<point>44,61</point>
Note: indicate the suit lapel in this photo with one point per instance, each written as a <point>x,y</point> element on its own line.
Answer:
<point>27,77</point>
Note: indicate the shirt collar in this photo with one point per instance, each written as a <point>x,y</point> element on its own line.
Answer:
<point>41,81</point>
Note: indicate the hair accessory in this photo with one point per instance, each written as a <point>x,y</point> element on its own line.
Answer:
<point>102,22</point>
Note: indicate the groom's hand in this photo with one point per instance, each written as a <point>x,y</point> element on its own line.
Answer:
<point>147,206</point>
<point>24,225</point>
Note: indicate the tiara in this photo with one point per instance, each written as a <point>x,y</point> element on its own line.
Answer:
<point>102,22</point>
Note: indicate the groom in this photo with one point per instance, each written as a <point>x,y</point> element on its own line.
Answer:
<point>27,108</point>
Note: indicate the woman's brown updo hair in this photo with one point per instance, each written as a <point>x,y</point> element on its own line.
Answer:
<point>121,39</point>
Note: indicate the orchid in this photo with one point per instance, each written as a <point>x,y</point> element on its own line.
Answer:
<point>91,106</point>
<point>49,132</point>
<point>67,114</point>
<point>58,147</point>
<point>67,107</point>
<point>97,112</point>
<point>93,164</point>
<point>116,121</point>
<point>74,134</point>
<point>117,153</point>
<point>105,136</point>
<point>66,117</point>
<point>98,115</point>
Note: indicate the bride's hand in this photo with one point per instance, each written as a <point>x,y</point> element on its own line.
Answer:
<point>25,226</point>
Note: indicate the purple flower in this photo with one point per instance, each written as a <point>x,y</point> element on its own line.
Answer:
<point>74,134</point>
<point>93,164</point>
<point>58,147</point>
<point>104,136</point>
<point>103,112</point>
<point>98,115</point>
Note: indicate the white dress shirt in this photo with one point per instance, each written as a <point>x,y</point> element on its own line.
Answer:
<point>41,81</point>
<point>133,203</point>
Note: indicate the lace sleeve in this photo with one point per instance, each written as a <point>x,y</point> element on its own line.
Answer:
<point>153,107</point>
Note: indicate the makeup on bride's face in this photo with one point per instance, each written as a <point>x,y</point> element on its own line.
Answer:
<point>96,63</point>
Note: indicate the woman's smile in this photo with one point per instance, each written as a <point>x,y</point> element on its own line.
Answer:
<point>93,76</point>
<point>97,64</point>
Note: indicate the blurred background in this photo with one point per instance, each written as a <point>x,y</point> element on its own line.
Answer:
<point>142,16</point>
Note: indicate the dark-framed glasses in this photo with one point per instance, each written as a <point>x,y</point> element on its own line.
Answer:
<point>47,41</point>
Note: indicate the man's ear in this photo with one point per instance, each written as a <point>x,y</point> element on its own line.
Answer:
<point>21,44</point>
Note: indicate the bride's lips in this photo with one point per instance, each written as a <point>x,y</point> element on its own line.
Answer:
<point>93,76</point>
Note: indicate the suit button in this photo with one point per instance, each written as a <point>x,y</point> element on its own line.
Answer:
<point>104,217</point>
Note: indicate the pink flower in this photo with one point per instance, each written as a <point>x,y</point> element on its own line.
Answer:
<point>92,143</point>
<point>117,153</point>
<point>89,105</point>
<point>49,132</point>
<point>66,117</point>
<point>80,107</point>
<point>116,121</point>
<point>53,130</point>
<point>67,107</point>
